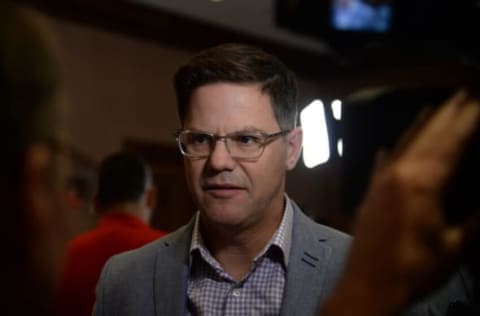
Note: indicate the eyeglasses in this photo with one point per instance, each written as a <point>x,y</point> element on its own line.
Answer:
<point>240,145</point>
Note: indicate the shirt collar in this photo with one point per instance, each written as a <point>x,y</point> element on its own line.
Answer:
<point>282,238</point>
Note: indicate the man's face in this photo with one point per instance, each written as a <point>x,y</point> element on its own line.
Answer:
<point>233,193</point>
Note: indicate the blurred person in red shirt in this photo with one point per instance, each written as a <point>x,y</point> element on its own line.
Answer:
<point>124,201</point>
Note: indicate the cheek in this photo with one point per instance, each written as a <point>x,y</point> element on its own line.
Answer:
<point>268,172</point>
<point>193,171</point>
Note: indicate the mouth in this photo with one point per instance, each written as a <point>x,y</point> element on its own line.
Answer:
<point>222,190</point>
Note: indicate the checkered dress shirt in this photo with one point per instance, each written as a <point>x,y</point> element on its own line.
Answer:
<point>212,292</point>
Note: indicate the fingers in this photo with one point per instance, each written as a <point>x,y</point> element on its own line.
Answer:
<point>449,127</point>
<point>412,131</point>
<point>442,140</point>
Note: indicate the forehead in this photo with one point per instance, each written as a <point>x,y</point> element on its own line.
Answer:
<point>230,107</point>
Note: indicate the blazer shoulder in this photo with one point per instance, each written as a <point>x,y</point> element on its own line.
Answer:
<point>319,231</point>
<point>176,240</point>
<point>127,279</point>
<point>317,257</point>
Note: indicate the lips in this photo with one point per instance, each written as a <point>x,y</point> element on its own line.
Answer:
<point>222,190</point>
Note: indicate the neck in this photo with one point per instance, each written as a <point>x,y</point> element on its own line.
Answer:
<point>236,247</point>
<point>131,208</point>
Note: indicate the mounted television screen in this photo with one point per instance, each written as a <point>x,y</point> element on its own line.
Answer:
<point>349,25</point>
<point>361,15</point>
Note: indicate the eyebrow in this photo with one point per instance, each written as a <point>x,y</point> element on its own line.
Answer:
<point>248,129</point>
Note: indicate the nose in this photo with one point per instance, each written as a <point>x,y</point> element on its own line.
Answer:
<point>220,158</point>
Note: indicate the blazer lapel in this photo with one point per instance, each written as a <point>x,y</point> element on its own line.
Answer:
<point>171,273</point>
<point>308,267</point>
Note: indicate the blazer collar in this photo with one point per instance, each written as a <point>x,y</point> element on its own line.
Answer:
<point>308,273</point>
<point>171,272</point>
<point>309,264</point>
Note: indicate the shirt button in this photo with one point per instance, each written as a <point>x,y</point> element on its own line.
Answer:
<point>236,292</point>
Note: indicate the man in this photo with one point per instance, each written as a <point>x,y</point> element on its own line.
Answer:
<point>34,165</point>
<point>249,250</point>
<point>124,201</point>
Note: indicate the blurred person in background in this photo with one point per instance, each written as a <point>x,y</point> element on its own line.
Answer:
<point>79,194</point>
<point>34,165</point>
<point>124,202</point>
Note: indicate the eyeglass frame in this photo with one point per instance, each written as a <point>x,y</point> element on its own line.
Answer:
<point>267,139</point>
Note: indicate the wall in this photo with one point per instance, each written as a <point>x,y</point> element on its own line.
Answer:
<point>120,88</point>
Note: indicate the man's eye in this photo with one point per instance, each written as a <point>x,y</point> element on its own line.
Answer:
<point>199,139</point>
<point>246,139</point>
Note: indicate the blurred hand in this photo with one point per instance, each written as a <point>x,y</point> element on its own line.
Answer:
<point>403,246</point>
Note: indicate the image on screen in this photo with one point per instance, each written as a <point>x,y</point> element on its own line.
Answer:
<point>361,16</point>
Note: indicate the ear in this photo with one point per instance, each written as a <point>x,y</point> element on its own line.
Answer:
<point>37,187</point>
<point>294,140</point>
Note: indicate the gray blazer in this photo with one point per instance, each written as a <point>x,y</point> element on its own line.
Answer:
<point>152,280</point>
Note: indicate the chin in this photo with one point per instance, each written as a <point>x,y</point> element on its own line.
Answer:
<point>224,215</point>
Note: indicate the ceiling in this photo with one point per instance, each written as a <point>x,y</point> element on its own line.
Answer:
<point>196,24</point>
<point>252,17</point>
